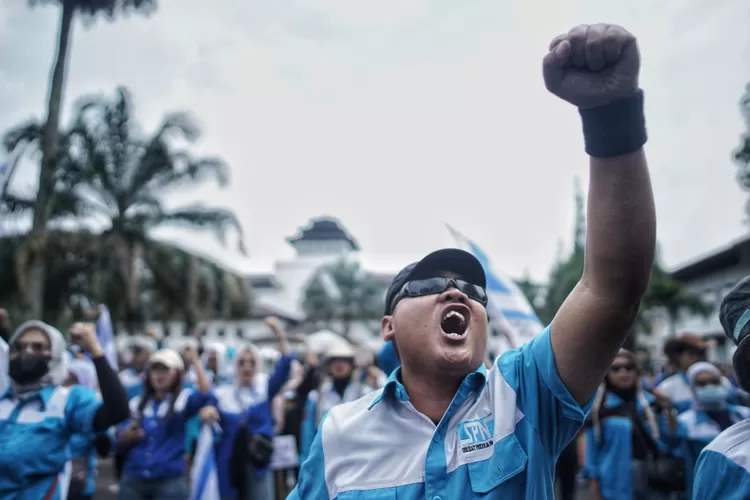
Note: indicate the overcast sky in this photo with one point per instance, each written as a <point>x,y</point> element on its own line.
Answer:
<point>399,115</point>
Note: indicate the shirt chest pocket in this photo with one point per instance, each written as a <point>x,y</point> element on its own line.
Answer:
<point>379,494</point>
<point>507,461</point>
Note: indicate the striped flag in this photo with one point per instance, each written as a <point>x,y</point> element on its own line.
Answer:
<point>4,178</point>
<point>106,335</point>
<point>204,480</point>
<point>508,308</point>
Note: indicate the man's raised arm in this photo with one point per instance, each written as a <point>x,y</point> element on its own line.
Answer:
<point>596,69</point>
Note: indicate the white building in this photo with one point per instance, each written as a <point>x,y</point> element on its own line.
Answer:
<point>711,276</point>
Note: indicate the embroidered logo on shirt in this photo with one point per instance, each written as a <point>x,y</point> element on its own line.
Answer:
<point>476,434</point>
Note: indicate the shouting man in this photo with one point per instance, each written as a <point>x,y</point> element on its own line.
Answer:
<point>444,427</point>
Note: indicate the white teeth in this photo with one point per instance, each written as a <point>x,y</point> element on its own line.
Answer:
<point>455,313</point>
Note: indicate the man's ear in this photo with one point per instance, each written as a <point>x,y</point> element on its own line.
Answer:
<point>386,328</point>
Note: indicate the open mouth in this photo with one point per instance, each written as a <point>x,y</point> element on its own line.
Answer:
<point>455,321</point>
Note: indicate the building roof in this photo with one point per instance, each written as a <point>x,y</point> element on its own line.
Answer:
<point>723,257</point>
<point>324,229</point>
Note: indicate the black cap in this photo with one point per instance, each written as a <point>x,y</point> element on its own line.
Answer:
<point>451,260</point>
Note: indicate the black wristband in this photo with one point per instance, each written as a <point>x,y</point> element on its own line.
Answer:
<point>615,129</point>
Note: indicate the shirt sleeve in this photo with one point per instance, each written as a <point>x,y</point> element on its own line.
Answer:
<point>540,393</point>
<point>312,480</point>
<point>80,409</point>
<point>195,400</point>
<point>279,376</point>
<point>734,483</point>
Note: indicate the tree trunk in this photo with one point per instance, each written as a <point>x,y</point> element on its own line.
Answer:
<point>44,201</point>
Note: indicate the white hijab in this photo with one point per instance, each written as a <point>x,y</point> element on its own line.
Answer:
<point>221,359</point>
<point>84,371</point>
<point>58,369</point>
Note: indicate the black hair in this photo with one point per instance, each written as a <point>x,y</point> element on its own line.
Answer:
<point>149,392</point>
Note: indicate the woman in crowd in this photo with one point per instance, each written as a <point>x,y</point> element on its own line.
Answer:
<point>244,411</point>
<point>623,435</point>
<point>710,413</point>
<point>152,442</point>
<point>39,415</point>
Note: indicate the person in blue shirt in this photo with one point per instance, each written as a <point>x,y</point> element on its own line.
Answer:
<point>722,470</point>
<point>623,433</point>
<point>39,415</point>
<point>444,427</point>
<point>152,441</point>
<point>711,412</point>
<point>243,410</point>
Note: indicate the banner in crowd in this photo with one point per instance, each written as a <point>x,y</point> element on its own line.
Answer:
<point>509,310</point>
<point>204,480</point>
<point>106,335</point>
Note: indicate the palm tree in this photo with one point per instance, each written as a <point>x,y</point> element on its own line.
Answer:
<point>118,178</point>
<point>49,144</point>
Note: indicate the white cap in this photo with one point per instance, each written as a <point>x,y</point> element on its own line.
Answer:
<point>168,358</point>
<point>340,350</point>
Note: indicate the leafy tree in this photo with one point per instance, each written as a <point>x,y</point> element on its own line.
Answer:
<point>49,140</point>
<point>742,153</point>
<point>342,293</point>
<point>112,174</point>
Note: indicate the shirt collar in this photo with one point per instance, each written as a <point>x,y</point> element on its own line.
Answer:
<point>393,387</point>
<point>44,394</point>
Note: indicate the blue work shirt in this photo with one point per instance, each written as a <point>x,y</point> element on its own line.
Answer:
<point>161,453</point>
<point>319,403</point>
<point>696,429</point>
<point>499,438</point>
<point>609,458</point>
<point>35,435</point>
<point>723,468</point>
<point>249,405</point>
<point>82,447</point>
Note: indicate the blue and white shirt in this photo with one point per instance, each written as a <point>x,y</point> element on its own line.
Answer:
<point>35,435</point>
<point>161,453</point>
<point>500,438</point>
<point>726,458</point>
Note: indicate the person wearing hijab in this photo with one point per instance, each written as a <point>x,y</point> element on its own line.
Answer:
<point>621,435</point>
<point>243,451</point>
<point>214,359</point>
<point>721,471</point>
<point>152,441</point>
<point>39,415</point>
<point>710,414</point>
<point>84,447</point>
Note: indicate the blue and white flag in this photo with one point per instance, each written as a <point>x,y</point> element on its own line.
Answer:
<point>4,177</point>
<point>106,335</point>
<point>204,480</point>
<point>507,304</point>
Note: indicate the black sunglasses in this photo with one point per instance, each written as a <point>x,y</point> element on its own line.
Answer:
<point>433,286</point>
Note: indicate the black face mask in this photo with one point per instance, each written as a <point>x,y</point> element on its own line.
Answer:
<point>28,368</point>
